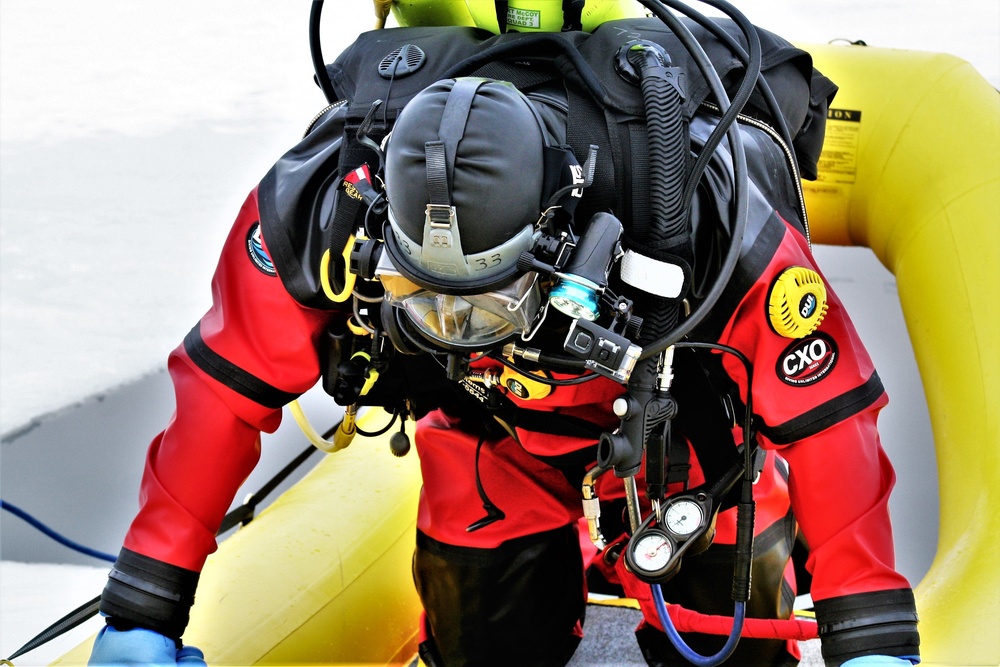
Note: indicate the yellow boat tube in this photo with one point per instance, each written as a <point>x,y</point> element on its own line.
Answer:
<point>911,169</point>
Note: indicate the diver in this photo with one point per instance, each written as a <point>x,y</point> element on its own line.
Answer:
<point>577,273</point>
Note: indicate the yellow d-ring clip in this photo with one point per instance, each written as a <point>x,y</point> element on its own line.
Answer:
<point>349,278</point>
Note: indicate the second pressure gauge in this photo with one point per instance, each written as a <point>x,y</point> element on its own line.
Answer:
<point>683,517</point>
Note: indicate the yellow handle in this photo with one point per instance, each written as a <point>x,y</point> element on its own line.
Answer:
<point>349,278</point>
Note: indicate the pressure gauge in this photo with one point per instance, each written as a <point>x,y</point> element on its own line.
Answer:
<point>683,517</point>
<point>649,555</point>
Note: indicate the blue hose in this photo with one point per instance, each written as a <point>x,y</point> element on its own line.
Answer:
<point>32,521</point>
<point>686,651</point>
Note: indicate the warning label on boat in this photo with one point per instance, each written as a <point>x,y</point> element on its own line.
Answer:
<point>838,163</point>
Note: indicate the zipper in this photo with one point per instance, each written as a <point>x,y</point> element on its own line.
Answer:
<point>789,157</point>
<point>323,112</point>
<point>550,100</point>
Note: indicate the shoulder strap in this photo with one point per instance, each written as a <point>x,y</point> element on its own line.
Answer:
<point>702,416</point>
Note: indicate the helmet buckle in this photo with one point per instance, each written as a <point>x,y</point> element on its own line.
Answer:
<point>439,215</point>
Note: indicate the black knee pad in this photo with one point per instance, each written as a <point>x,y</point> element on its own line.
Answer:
<point>519,603</point>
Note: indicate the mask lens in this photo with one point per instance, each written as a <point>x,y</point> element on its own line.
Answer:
<point>474,321</point>
<point>453,319</point>
<point>397,287</point>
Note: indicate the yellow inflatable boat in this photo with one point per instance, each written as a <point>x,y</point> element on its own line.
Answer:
<point>911,169</point>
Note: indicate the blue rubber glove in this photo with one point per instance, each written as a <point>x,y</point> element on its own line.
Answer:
<point>880,661</point>
<point>116,648</point>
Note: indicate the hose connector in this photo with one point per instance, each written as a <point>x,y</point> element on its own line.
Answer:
<point>347,430</point>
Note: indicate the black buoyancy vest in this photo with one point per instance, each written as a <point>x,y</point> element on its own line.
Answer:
<point>302,199</point>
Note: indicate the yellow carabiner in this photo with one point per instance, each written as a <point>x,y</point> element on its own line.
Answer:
<point>349,278</point>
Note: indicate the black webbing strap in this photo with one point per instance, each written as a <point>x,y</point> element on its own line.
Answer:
<point>439,156</point>
<point>572,15</point>
<point>588,124</point>
<point>437,181</point>
<point>701,417</point>
<point>455,117</point>
<point>639,179</point>
<point>501,7</point>
<point>678,459</point>
<point>82,613</point>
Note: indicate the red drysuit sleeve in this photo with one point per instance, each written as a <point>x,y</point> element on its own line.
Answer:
<point>839,483</point>
<point>817,399</point>
<point>253,351</point>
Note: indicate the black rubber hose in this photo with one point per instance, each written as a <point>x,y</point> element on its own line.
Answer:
<point>739,100</point>
<point>741,182</point>
<point>737,49</point>
<point>668,147</point>
<point>316,51</point>
<point>668,150</point>
<point>743,556</point>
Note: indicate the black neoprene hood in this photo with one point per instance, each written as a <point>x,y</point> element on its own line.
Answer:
<point>485,149</point>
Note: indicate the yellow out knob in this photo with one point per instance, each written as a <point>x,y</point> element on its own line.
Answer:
<point>797,303</point>
<point>524,387</point>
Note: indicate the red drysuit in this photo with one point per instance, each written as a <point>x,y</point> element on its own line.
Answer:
<point>511,589</point>
<point>258,342</point>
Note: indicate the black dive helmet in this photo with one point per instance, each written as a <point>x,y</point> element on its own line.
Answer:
<point>471,175</point>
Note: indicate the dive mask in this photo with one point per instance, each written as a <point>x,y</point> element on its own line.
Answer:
<point>471,322</point>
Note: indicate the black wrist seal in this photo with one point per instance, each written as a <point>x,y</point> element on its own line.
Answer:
<point>876,623</point>
<point>148,593</point>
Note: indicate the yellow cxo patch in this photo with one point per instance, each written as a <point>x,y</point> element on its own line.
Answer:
<point>797,303</point>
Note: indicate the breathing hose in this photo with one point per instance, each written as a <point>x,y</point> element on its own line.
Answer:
<point>667,145</point>
<point>741,184</point>
<point>739,99</point>
<point>316,52</point>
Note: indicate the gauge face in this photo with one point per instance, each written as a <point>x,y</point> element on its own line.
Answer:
<point>683,517</point>
<point>652,552</point>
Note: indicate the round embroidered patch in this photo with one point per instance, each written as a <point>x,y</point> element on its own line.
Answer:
<point>808,360</point>
<point>255,248</point>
